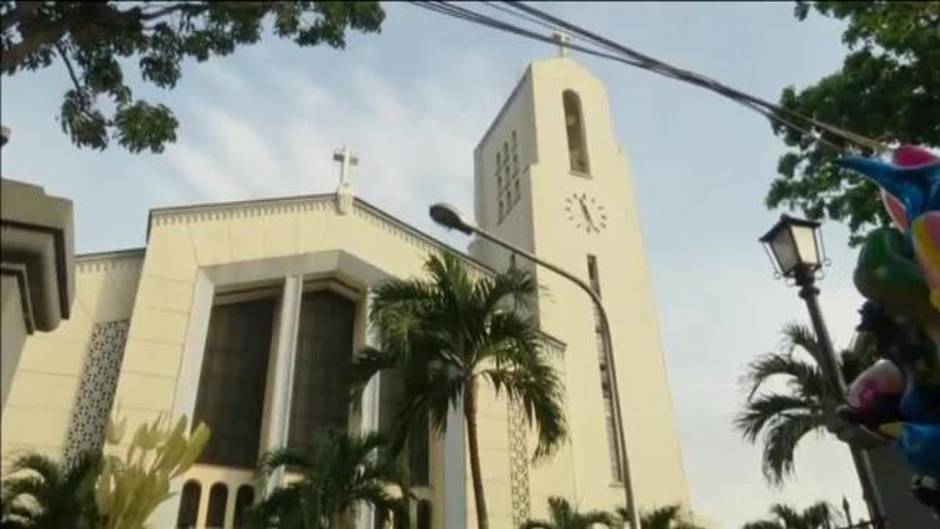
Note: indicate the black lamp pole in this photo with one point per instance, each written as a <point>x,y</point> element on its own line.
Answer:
<point>796,250</point>
<point>806,280</point>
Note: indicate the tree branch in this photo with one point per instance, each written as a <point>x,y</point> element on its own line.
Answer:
<point>68,65</point>
<point>192,9</point>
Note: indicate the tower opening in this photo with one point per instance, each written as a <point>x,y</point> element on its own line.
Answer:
<point>574,126</point>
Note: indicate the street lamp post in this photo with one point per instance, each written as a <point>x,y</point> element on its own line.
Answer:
<point>447,216</point>
<point>796,252</point>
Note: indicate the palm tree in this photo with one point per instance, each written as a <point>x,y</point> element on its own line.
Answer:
<point>668,517</point>
<point>564,516</point>
<point>446,333</point>
<point>39,493</point>
<point>338,472</point>
<point>817,516</point>
<point>784,418</point>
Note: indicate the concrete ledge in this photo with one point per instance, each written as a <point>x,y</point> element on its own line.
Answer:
<point>38,246</point>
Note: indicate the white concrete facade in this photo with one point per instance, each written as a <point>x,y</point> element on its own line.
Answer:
<point>532,124</point>
<point>165,293</point>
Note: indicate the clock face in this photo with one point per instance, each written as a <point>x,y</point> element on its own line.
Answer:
<point>586,213</point>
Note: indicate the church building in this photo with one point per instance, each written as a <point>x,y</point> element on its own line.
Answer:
<point>246,315</point>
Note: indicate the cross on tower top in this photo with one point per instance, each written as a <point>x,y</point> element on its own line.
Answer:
<point>563,39</point>
<point>346,159</point>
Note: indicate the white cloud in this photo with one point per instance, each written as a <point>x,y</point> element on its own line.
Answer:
<point>411,150</point>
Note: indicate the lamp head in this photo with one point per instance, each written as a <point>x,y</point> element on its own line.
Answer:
<point>448,216</point>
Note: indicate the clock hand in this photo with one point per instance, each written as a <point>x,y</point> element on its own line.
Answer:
<point>587,214</point>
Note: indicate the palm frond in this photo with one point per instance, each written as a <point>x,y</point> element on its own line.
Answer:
<point>537,524</point>
<point>591,518</point>
<point>780,443</point>
<point>540,392</point>
<point>763,524</point>
<point>338,472</point>
<point>798,336</point>
<point>764,410</point>
<point>660,518</point>
<point>804,377</point>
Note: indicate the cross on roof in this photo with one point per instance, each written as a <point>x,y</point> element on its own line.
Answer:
<point>346,159</point>
<point>563,39</point>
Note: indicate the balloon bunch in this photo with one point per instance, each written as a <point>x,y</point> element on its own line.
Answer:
<point>897,399</point>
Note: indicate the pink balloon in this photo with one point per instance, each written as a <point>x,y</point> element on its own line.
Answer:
<point>912,156</point>
<point>882,378</point>
<point>896,210</point>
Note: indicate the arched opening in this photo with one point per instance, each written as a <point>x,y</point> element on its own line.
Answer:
<point>424,515</point>
<point>189,505</point>
<point>244,499</point>
<point>574,126</point>
<point>218,498</point>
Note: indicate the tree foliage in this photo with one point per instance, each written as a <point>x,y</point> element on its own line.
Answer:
<point>888,89</point>
<point>100,492</point>
<point>449,334</point>
<point>41,493</point>
<point>666,517</point>
<point>781,419</point>
<point>562,515</point>
<point>817,516</point>
<point>130,489</point>
<point>92,38</point>
<point>338,473</point>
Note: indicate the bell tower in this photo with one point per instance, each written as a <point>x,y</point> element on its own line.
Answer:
<point>550,177</point>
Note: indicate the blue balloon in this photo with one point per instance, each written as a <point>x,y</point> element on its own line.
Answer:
<point>918,188</point>
<point>920,444</point>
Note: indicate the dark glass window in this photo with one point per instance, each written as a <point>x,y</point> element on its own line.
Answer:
<point>243,500</point>
<point>574,126</point>
<point>321,371</point>
<point>232,381</point>
<point>610,418</point>
<point>392,400</point>
<point>218,498</point>
<point>189,505</point>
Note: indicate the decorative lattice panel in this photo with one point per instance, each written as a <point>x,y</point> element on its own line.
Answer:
<point>96,388</point>
<point>518,464</point>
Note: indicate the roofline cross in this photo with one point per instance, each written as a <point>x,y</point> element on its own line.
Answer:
<point>347,159</point>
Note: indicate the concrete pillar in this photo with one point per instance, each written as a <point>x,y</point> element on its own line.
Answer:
<point>286,336</point>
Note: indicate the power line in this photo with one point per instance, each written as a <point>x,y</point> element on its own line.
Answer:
<point>602,47</point>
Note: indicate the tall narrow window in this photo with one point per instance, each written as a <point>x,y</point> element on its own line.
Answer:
<point>610,418</point>
<point>574,125</point>
<point>506,151</point>
<point>321,370</point>
<point>218,498</point>
<point>189,505</point>
<point>514,142</point>
<point>230,399</point>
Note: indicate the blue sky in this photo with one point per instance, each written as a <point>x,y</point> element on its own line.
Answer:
<point>414,100</point>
